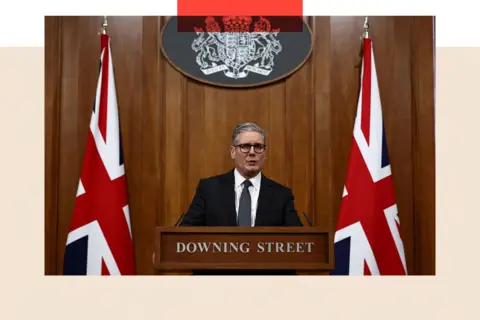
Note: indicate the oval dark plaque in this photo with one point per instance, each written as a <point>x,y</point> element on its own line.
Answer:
<point>236,51</point>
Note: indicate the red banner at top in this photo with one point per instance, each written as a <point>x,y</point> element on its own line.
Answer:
<point>240,7</point>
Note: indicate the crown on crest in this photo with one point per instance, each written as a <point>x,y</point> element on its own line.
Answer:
<point>237,24</point>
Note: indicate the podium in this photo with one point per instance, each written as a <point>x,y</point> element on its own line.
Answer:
<point>243,249</point>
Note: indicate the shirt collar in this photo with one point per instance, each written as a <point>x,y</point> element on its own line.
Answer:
<point>255,180</point>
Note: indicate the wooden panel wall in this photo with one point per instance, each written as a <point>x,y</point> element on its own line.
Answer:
<point>176,130</point>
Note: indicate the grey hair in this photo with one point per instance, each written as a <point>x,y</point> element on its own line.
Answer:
<point>247,126</point>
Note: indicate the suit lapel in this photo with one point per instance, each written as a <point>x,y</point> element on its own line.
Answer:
<point>263,200</point>
<point>228,196</point>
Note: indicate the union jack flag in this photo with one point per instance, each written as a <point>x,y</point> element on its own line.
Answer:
<point>367,238</point>
<point>100,239</point>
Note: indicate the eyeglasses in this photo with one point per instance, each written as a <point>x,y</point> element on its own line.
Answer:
<point>246,147</point>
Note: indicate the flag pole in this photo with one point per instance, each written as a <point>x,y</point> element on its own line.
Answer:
<point>365,28</point>
<point>364,36</point>
<point>104,25</point>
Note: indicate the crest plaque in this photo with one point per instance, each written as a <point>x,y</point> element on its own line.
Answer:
<point>236,51</point>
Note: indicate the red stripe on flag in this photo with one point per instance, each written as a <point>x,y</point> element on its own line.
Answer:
<point>234,8</point>
<point>366,269</point>
<point>102,113</point>
<point>104,269</point>
<point>367,88</point>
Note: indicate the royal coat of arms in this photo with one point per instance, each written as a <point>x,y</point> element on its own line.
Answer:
<point>237,50</point>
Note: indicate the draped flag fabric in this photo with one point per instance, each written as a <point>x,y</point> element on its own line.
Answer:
<point>367,238</point>
<point>99,240</point>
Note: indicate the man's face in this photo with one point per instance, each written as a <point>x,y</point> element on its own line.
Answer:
<point>249,163</point>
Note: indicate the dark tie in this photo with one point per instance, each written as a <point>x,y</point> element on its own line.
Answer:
<point>245,206</point>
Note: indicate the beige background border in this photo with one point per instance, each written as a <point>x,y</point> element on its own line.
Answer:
<point>27,294</point>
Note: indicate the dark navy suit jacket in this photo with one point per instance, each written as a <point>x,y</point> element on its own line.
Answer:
<point>214,205</point>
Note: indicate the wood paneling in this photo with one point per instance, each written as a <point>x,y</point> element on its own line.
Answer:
<point>423,119</point>
<point>176,131</point>
<point>152,131</point>
<point>52,113</point>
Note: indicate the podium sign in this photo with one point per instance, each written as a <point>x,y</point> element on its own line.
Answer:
<point>243,248</point>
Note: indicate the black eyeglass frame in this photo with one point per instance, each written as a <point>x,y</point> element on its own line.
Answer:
<point>257,147</point>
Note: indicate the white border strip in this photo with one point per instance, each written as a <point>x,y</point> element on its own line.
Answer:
<point>20,26</point>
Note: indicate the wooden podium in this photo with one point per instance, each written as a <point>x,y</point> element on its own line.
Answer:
<point>301,249</point>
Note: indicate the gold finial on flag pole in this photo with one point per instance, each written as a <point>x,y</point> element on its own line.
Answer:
<point>365,28</point>
<point>365,35</point>
<point>104,25</point>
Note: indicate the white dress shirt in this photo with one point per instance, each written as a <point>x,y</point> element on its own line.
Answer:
<point>254,191</point>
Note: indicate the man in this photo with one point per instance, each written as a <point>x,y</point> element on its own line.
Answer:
<point>243,196</point>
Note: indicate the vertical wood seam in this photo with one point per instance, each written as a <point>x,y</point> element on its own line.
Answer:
<point>313,123</point>
<point>140,142</point>
<point>58,124</point>
<point>161,217</point>
<point>159,69</point>
<point>287,147</point>
<point>185,134</point>
<point>414,97</point>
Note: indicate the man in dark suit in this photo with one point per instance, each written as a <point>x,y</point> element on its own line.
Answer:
<point>243,196</point>
<point>223,200</point>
